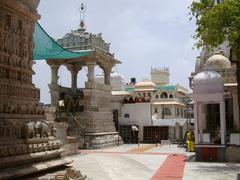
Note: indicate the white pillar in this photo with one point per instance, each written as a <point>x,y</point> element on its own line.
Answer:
<point>222,122</point>
<point>196,122</point>
<point>200,122</point>
<point>91,71</point>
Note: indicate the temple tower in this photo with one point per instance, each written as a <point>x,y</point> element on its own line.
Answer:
<point>25,137</point>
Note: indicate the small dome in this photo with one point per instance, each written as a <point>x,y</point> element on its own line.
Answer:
<point>207,81</point>
<point>218,61</point>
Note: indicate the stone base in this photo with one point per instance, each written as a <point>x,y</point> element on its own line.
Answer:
<point>13,161</point>
<point>232,154</point>
<point>13,173</point>
<point>70,146</point>
<point>101,140</point>
<point>210,152</point>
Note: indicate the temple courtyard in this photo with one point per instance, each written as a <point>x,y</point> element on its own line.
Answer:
<point>130,162</point>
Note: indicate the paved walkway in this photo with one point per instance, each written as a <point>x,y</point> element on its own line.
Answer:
<point>168,162</point>
<point>173,162</point>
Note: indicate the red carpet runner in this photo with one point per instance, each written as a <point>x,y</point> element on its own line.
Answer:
<point>171,169</point>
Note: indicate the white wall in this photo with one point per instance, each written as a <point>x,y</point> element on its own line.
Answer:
<point>139,114</point>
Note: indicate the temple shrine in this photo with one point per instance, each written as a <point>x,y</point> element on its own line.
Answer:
<point>87,110</point>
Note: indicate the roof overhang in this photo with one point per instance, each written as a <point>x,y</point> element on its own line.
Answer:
<point>143,90</point>
<point>120,93</point>
<point>169,103</point>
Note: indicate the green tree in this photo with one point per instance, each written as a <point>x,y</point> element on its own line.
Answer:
<point>218,22</point>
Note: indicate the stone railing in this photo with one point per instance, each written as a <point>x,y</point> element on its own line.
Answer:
<point>166,100</point>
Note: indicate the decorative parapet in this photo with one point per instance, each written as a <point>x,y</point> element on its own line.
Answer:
<point>167,100</point>
<point>228,75</point>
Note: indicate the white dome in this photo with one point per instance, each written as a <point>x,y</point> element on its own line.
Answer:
<point>145,84</point>
<point>218,61</point>
<point>207,81</point>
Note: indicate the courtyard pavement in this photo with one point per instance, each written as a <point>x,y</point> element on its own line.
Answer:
<point>168,162</point>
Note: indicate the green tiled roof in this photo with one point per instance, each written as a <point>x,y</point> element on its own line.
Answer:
<point>129,89</point>
<point>165,88</point>
<point>157,88</point>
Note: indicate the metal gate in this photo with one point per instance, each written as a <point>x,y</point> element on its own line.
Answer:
<point>127,135</point>
<point>154,134</point>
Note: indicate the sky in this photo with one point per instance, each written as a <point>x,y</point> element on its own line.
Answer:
<point>143,34</point>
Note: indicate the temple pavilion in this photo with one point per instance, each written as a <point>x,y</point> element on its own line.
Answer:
<point>86,110</point>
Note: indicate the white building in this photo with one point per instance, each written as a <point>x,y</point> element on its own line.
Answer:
<point>155,106</point>
<point>215,107</point>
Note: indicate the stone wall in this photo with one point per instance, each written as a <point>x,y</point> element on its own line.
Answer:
<point>23,126</point>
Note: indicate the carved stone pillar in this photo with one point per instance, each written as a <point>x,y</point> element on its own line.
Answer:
<point>74,79</point>
<point>91,71</point>
<point>54,91</point>
<point>74,73</point>
<point>107,75</point>
<point>54,70</point>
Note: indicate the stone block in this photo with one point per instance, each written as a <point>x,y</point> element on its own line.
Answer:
<point>206,138</point>
<point>232,154</point>
<point>235,138</point>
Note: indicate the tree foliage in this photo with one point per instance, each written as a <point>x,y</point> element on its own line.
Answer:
<point>216,22</point>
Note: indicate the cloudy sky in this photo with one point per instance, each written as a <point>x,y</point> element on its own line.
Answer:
<point>142,34</point>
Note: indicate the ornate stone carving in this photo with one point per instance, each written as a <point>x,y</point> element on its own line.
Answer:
<point>28,130</point>
<point>32,4</point>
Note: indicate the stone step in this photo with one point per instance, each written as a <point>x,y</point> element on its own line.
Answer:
<point>11,161</point>
<point>19,171</point>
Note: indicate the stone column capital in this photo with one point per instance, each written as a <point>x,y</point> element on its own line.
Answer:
<point>73,68</point>
<point>54,71</point>
<point>91,64</point>
<point>54,66</point>
<point>107,69</point>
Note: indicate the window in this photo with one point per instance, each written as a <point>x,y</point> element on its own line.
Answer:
<point>164,95</point>
<point>156,96</point>
<point>178,113</point>
<point>166,111</point>
<point>149,94</point>
<point>156,110</point>
<point>127,115</point>
<point>170,96</point>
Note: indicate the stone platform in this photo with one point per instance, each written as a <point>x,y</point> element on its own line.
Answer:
<point>102,140</point>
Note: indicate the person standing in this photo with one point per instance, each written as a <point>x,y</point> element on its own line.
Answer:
<point>190,141</point>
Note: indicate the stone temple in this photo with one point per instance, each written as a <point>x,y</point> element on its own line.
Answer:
<point>87,110</point>
<point>26,138</point>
